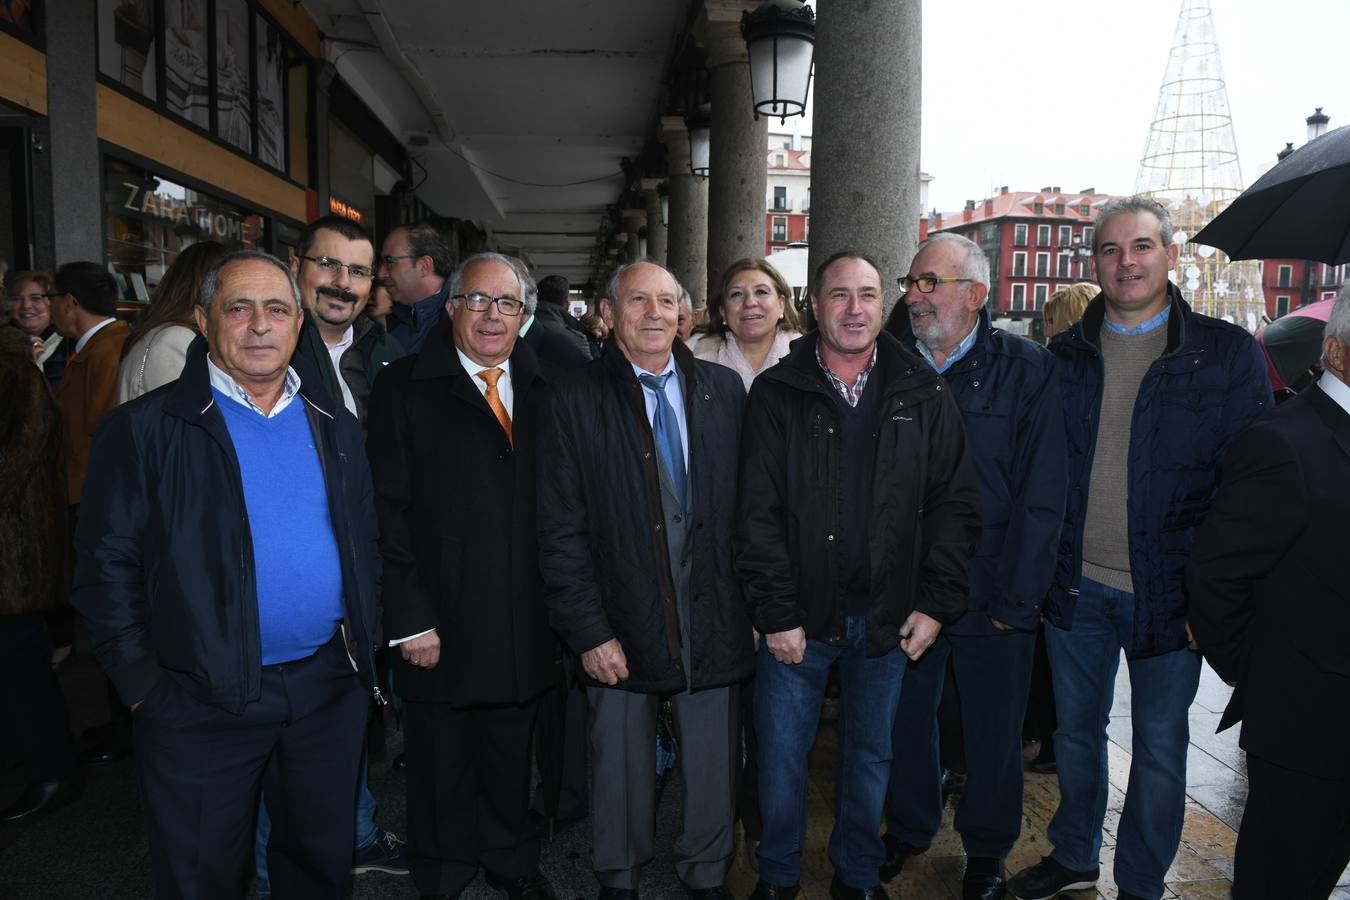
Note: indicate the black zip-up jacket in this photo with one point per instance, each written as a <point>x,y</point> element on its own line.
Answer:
<point>924,518</point>
<point>602,545</point>
<point>164,558</point>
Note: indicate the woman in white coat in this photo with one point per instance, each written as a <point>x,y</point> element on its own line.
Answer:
<point>751,321</point>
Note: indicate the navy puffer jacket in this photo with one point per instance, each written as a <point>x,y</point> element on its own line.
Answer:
<point>1208,385</point>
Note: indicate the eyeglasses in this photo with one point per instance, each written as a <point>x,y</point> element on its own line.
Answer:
<point>507,306</point>
<point>926,283</point>
<point>390,260</point>
<point>32,298</point>
<point>334,267</point>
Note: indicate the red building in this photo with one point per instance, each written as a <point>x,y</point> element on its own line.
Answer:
<point>1291,283</point>
<point>789,197</point>
<point>1037,242</point>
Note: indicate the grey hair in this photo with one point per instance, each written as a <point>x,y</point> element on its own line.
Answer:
<point>686,302</point>
<point>1338,323</point>
<point>211,280</point>
<point>1137,203</point>
<point>975,264</point>
<point>529,291</point>
<point>612,286</point>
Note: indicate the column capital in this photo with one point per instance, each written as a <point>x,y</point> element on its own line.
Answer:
<point>719,30</point>
<point>675,135</point>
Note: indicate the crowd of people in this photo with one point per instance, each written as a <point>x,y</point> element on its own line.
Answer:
<point>295,491</point>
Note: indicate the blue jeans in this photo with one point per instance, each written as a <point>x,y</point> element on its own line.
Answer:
<point>366,829</point>
<point>787,713</point>
<point>1083,664</point>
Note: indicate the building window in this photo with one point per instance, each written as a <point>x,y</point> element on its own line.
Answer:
<point>1065,235</point>
<point>1042,293</point>
<point>779,228</point>
<point>1329,295</point>
<point>1042,265</point>
<point>1059,209</point>
<point>1019,235</point>
<point>126,37</point>
<point>1062,270</point>
<point>806,204</point>
<point>1019,296</point>
<point>1085,210</point>
<point>806,229</point>
<point>1019,263</point>
<point>1038,207</point>
<point>780,197</point>
<point>1281,306</point>
<point>1088,232</point>
<point>1285,277</point>
<point>1042,235</point>
<point>187,85</point>
<point>1329,274</point>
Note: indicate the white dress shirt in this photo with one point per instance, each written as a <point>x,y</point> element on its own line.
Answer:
<point>84,338</point>
<point>1335,389</point>
<point>335,354</point>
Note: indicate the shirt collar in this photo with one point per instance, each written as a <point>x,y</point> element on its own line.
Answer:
<point>638,371</point>
<point>961,349</point>
<point>222,382</point>
<point>1160,319</point>
<point>474,368</point>
<point>526,327</point>
<point>850,392</point>
<point>1335,389</point>
<point>84,338</point>
<point>347,337</point>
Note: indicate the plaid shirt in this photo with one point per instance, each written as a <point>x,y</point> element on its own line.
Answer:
<point>852,394</point>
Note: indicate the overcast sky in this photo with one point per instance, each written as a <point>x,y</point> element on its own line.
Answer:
<point>1033,93</point>
<point>988,120</point>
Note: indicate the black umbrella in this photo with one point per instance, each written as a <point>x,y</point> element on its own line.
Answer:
<point>1300,209</point>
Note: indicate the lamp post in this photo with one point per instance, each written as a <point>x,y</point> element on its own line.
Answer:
<point>699,123</point>
<point>781,37</point>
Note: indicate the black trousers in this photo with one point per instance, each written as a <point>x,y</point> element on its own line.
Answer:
<point>1295,836</point>
<point>468,793</point>
<point>200,770</point>
<point>32,707</point>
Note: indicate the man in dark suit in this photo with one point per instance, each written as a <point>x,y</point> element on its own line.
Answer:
<point>462,584</point>
<point>635,521</point>
<point>1271,611</point>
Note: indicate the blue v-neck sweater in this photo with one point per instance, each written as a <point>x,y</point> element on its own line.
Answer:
<point>295,556</point>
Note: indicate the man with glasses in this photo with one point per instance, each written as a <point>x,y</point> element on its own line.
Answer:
<point>858,515</point>
<point>453,443</point>
<point>635,517</point>
<point>1009,397</point>
<point>335,267</point>
<point>415,263</point>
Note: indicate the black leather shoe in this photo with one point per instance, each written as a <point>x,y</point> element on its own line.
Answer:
<point>41,797</point>
<point>528,887</point>
<point>713,893</point>
<point>841,891</point>
<point>766,891</point>
<point>613,893</point>
<point>984,879</point>
<point>897,854</point>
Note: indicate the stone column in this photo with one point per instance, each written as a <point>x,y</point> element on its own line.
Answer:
<point>656,231</point>
<point>633,221</point>
<point>687,233</point>
<point>738,164</point>
<point>865,148</point>
<point>72,118</point>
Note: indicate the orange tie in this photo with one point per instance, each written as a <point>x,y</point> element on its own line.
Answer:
<point>490,378</point>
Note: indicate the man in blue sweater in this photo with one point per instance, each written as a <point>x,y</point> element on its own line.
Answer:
<point>226,564</point>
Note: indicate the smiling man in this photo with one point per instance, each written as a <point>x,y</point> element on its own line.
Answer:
<point>1152,394</point>
<point>335,268</point>
<point>858,514</point>
<point>226,563</point>
<point>635,517</point>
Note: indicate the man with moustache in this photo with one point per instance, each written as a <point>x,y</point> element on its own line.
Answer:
<point>335,267</point>
<point>227,565</point>
<point>453,436</point>
<point>635,516</point>
<point>415,264</point>
<point>859,511</point>
<point>1152,393</point>
<point>1008,392</point>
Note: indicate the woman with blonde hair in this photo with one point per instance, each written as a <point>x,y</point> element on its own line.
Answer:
<point>1065,307</point>
<point>751,320</point>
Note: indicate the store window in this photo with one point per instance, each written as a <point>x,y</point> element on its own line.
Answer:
<point>234,118</point>
<point>271,77</point>
<point>187,61</point>
<point>23,18</point>
<point>150,219</point>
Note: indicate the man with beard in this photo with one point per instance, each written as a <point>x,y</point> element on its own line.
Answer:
<point>335,267</point>
<point>1008,393</point>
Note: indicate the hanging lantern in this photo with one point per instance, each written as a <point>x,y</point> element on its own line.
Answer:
<point>781,37</point>
<point>699,124</point>
<point>664,193</point>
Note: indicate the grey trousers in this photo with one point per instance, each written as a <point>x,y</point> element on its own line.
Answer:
<point>623,786</point>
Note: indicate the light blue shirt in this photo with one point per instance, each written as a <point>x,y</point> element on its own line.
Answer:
<point>235,391</point>
<point>961,350</point>
<point>1143,327</point>
<point>675,394</point>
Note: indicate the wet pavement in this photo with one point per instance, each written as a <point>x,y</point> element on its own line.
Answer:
<point>97,848</point>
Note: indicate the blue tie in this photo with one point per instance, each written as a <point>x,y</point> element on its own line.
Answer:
<point>666,430</point>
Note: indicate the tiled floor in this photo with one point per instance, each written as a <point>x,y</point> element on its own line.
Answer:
<point>97,849</point>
